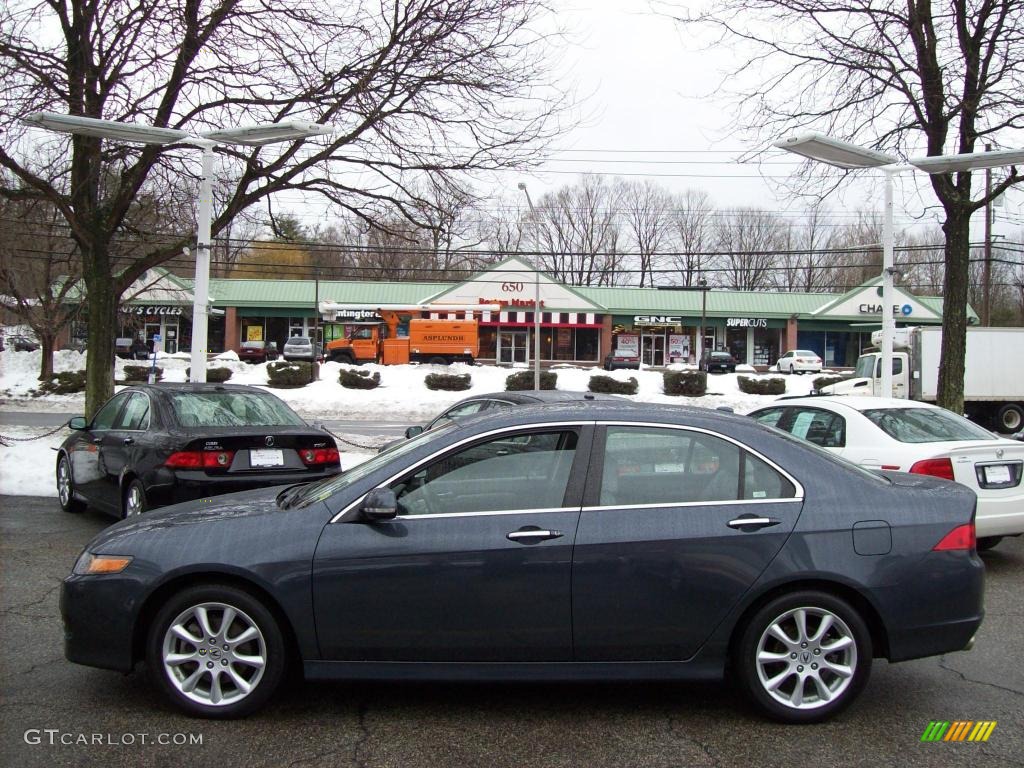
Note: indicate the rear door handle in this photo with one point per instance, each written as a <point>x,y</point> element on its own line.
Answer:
<point>752,523</point>
<point>533,536</point>
<point>97,440</point>
<point>128,440</point>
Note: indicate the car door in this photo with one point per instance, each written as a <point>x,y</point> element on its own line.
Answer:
<point>477,565</point>
<point>88,459</point>
<point>662,552</point>
<point>123,442</point>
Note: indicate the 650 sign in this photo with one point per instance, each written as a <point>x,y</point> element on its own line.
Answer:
<point>512,287</point>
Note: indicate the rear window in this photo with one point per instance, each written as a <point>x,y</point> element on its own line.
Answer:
<point>252,345</point>
<point>232,409</point>
<point>299,341</point>
<point>925,425</point>
<point>721,355</point>
<point>806,353</point>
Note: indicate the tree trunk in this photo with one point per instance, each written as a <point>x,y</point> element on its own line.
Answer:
<point>101,303</point>
<point>954,312</point>
<point>46,348</point>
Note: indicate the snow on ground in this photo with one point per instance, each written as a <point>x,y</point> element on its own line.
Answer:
<point>27,468</point>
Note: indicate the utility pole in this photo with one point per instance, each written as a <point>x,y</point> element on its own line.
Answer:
<point>536,292</point>
<point>986,274</point>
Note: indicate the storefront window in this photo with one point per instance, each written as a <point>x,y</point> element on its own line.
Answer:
<point>736,343</point>
<point>587,343</point>
<point>563,344</point>
<point>488,343</point>
<point>766,346</point>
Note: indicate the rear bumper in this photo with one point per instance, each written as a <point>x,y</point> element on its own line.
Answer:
<point>1000,517</point>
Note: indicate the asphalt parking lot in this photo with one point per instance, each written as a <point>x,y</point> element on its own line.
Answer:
<point>54,713</point>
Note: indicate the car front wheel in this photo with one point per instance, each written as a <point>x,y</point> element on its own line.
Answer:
<point>66,487</point>
<point>804,657</point>
<point>216,651</point>
<point>134,502</point>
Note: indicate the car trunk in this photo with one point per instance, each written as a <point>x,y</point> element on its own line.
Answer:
<point>258,449</point>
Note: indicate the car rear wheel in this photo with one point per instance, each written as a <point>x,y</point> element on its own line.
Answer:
<point>134,501</point>
<point>804,656</point>
<point>216,651</point>
<point>985,543</point>
<point>66,487</point>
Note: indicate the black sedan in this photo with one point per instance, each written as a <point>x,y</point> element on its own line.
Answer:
<point>553,542</point>
<point>719,360</point>
<point>153,445</point>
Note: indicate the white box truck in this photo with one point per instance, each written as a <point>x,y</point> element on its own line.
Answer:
<point>993,372</point>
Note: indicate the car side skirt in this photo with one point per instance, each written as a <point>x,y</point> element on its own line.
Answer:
<point>697,669</point>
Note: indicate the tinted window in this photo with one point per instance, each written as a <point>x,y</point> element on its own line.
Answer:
<point>135,415</point>
<point>104,419</point>
<point>925,425</point>
<point>760,481</point>
<point>770,417</point>
<point>232,409</point>
<point>816,426</point>
<point>492,476</point>
<point>647,465</point>
<point>897,367</point>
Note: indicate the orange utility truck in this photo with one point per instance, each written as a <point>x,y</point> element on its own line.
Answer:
<point>401,338</point>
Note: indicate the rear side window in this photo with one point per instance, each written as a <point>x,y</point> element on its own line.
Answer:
<point>816,426</point>
<point>232,409</point>
<point>652,466</point>
<point>771,417</point>
<point>135,415</point>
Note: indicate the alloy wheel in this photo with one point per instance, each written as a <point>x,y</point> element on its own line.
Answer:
<point>64,482</point>
<point>806,658</point>
<point>214,654</point>
<point>133,502</point>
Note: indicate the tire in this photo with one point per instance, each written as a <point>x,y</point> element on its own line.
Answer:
<point>133,500</point>
<point>66,491</point>
<point>988,542</point>
<point>786,687</point>
<point>1010,418</point>
<point>203,678</point>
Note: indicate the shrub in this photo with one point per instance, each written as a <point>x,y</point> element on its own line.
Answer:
<point>824,381</point>
<point>523,380</point>
<point>771,386</point>
<point>141,373</point>
<point>290,375</point>
<point>611,386</point>
<point>64,383</point>
<point>685,383</point>
<point>213,375</point>
<point>358,379</point>
<point>448,381</point>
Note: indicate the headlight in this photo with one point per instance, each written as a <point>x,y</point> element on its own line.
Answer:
<point>89,564</point>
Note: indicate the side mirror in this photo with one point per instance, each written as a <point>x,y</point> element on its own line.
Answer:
<point>79,423</point>
<point>413,431</point>
<point>380,504</point>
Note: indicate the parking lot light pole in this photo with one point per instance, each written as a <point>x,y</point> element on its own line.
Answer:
<point>703,318</point>
<point>254,136</point>
<point>536,293</point>
<point>842,154</point>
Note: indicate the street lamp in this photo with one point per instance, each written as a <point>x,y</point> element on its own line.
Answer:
<point>703,283</point>
<point>536,293</point>
<point>253,136</point>
<point>842,154</point>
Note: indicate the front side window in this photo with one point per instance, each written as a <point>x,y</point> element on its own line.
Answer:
<point>104,419</point>
<point>507,473</point>
<point>816,426</point>
<point>925,425</point>
<point>650,466</point>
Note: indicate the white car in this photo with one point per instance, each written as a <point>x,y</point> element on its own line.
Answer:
<point>907,436</point>
<point>799,361</point>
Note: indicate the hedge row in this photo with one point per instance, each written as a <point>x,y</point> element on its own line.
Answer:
<point>824,381</point>
<point>685,383</point>
<point>448,382</point>
<point>523,381</point>
<point>358,379</point>
<point>64,383</point>
<point>286,374</point>
<point>610,386</point>
<point>141,373</point>
<point>770,386</point>
<point>213,375</point>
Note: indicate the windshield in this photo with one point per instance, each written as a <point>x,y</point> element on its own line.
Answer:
<point>324,489</point>
<point>232,409</point>
<point>865,367</point>
<point>925,425</point>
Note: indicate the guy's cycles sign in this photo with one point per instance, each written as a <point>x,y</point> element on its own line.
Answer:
<point>152,309</point>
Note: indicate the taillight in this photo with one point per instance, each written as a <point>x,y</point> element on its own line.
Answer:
<point>311,456</point>
<point>200,459</point>
<point>961,537</point>
<point>935,467</point>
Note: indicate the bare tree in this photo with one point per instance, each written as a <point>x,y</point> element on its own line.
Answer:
<point>902,77</point>
<point>577,233</point>
<point>409,86</point>
<point>38,272</point>
<point>692,216</point>
<point>645,211</point>
<point>748,239</point>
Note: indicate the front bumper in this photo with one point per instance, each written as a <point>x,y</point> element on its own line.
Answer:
<point>99,613</point>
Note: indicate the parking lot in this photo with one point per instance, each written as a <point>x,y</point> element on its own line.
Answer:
<point>56,713</point>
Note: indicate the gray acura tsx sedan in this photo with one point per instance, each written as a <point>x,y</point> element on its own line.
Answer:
<point>591,540</point>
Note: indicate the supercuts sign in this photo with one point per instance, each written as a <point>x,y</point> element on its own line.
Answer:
<point>657,320</point>
<point>152,309</point>
<point>746,322</point>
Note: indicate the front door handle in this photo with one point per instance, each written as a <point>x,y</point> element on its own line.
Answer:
<point>128,440</point>
<point>533,535</point>
<point>752,523</point>
<point>97,440</point>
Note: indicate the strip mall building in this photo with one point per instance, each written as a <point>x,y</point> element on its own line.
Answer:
<point>578,325</point>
